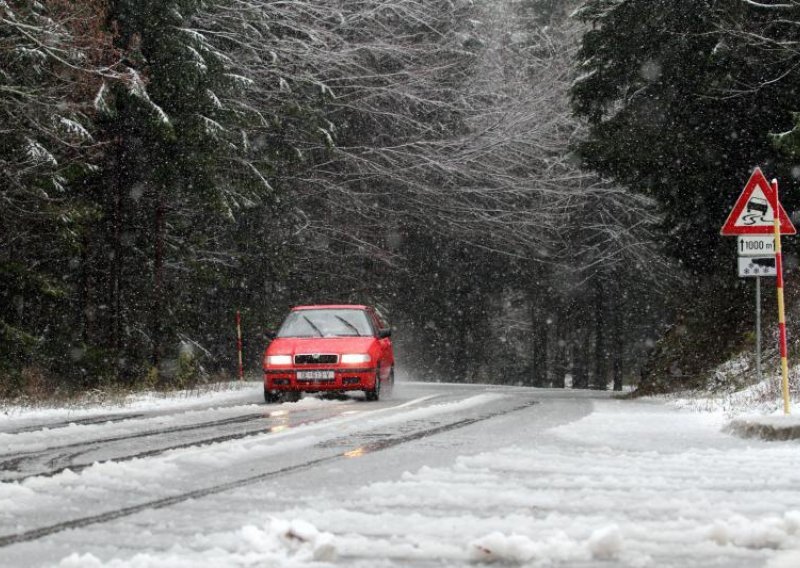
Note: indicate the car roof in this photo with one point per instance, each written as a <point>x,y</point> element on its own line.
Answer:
<point>331,307</point>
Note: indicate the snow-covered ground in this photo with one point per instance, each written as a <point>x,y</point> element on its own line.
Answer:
<point>150,403</point>
<point>444,475</point>
<point>756,411</point>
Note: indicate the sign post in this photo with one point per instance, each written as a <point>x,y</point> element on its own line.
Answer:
<point>753,261</point>
<point>759,220</point>
<point>781,310</point>
<point>758,328</point>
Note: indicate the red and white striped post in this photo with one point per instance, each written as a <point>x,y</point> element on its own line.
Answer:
<point>239,343</point>
<point>781,310</point>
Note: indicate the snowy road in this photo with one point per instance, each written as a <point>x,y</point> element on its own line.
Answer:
<point>440,475</point>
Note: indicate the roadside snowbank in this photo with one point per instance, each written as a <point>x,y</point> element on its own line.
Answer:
<point>217,401</point>
<point>771,428</point>
<point>275,543</point>
<point>219,394</point>
<point>753,412</point>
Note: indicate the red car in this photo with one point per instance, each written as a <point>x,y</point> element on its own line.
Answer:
<point>329,348</point>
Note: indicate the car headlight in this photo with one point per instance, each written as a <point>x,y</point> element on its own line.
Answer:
<point>279,360</point>
<point>356,358</point>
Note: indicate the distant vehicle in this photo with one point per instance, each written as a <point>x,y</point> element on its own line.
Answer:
<point>329,348</point>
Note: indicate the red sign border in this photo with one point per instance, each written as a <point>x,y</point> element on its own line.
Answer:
<point>757,179</point>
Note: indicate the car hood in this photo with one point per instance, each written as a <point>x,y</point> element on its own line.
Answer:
<point>339,345</point>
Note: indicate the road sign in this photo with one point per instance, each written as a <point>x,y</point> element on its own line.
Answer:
<point>757,266</point>
<point>753,214</point>
<point>755,245</point>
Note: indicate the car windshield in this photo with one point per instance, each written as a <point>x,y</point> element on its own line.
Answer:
<point>326,323</point>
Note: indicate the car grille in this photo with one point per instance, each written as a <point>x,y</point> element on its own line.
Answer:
<point>315,359</point>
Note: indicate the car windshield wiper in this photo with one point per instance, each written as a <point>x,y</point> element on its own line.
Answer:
<point>315,328</point>
<point>348,324</point>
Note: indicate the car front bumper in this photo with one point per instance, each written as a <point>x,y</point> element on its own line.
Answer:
<point>280,380</point>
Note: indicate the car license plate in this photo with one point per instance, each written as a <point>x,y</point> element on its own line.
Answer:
<point>314,375</point>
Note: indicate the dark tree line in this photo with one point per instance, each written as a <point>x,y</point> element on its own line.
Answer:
<point>683,100</point>
<point>167,163</point>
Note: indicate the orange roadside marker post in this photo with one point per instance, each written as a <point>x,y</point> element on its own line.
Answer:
<point>239,343</point>
<point>781,308</point>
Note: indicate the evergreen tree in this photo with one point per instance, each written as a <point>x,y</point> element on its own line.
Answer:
<point>52,58</point>
<point>179,161</point>
<point>683,100</point>
<point>679,112</point>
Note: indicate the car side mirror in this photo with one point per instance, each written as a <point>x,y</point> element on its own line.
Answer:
<point>269,335</point>
<point>384,333</point>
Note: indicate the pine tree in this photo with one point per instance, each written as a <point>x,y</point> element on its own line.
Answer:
<point>179,158</point>
<point>680,109</point>
<point>52,59</point>
<point>683,100</point>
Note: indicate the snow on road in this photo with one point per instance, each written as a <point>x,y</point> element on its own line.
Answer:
<point>16,418</point>
<point>446,475</point>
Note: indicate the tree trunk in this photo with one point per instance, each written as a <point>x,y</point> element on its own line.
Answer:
<point>539,341</point>
<point>618,342</point>
<point>116,261</point>
<point>83,295</point>
<point>544,349</point>
<point>600,355</point>
<point>536,347</point>
<point>560,360</point>
<point>158,277</point>
<point>580,377</point>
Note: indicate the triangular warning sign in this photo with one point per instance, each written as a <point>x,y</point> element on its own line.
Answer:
<point>753,212</point>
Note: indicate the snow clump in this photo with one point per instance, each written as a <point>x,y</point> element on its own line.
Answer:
<point>602,544</point>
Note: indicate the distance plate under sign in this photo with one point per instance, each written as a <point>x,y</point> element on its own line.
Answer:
<point>755,246</point>
<point>757,266</point>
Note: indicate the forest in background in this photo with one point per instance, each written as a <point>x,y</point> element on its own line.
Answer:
<point>530,188</point>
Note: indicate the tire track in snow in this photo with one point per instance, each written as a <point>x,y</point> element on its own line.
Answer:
<point>13,462</point>
<point>54,460</point>
<point>101,419</point>
<point>372,447</point>
<point>68,458</point>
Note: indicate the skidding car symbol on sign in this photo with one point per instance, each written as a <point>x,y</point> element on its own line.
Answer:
<point>757,210</point>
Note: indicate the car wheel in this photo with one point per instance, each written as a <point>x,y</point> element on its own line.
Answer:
<point>375,393</point>
<point>292,396</point>
<point>270,397</point>
<point>388,390</point>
